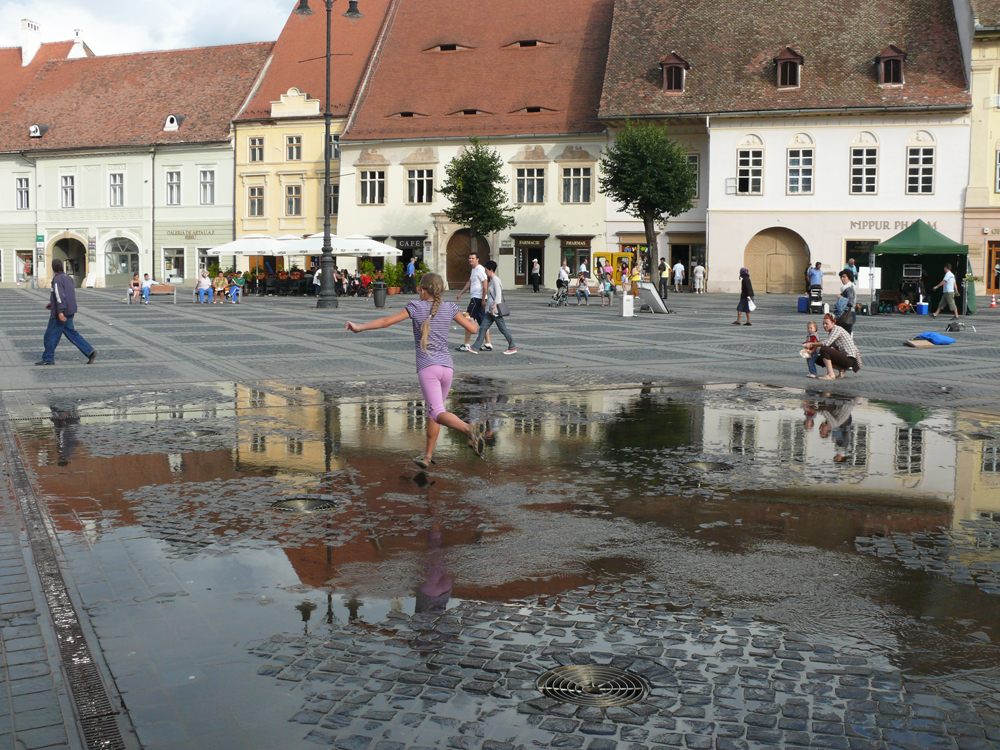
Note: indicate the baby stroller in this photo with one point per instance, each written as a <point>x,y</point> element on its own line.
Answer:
<point>561,297</point>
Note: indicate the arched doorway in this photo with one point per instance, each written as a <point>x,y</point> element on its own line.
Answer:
<point>73,254</point>
<point>458,257</point>
<point>777,259</point>
<point>121,258</point>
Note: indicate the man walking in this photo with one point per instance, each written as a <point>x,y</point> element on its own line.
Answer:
<point>699,278</point>
<point>948,293</point>
<point>62,308</point>
<point>477,288</point>
<point>678,276</point>
<point>664,277</point>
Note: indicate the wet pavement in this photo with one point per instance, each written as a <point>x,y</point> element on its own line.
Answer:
<point>782,567</point>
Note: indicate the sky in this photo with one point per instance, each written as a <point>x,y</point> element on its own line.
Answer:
<point>114,26</point>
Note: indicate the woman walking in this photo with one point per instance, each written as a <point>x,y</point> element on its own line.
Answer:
<point>494,298</point>
<point>431,319</point>
<point>746,297</point>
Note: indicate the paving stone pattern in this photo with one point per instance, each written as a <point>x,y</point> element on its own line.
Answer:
<point>466,678</point>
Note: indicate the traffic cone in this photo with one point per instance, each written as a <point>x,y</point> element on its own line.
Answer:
<point>993,303</point>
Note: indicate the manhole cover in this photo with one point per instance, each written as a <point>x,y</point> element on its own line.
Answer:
<point>195,433</point>
<point>593,686</point>
<point>304,504</point>
<point>708,466</point>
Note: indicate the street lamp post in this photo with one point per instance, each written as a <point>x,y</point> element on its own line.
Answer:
<point>327,295</point>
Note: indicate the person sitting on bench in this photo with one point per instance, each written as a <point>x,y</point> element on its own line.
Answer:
<point>146,284</point>
<point>581,288</point>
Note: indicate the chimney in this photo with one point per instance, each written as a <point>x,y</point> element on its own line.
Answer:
<point>79,49</point>
<point>31,40</point>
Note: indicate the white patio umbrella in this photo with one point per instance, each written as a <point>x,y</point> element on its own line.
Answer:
<point>251,244</point>
<point>354,246</point>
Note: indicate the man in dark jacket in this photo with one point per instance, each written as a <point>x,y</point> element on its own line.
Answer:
<point>62,308</point>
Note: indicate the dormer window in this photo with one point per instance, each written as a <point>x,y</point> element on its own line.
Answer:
<point>407,113</point>
<point>532,110</point>
<point>528,43</point>
<point>525,43</point>
<point>447,47</point>
<point>37,131</point>
<point>675,70</point>
<point>789,64</point>
<point>173,122</point>
<point>890,66</point>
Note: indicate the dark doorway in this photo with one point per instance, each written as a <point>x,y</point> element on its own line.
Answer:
<point>73,254</point>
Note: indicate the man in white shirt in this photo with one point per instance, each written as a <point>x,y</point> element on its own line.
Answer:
<point>477,288</point>
<point>563,280</point>
<point>583,268</point>
<point>948,293</point>
<point>678,275</point>
<point>146,284</point>
<point>699,278</point>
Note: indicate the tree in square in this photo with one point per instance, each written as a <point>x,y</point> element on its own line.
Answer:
<point>475,186</point>
<point>649,175</point>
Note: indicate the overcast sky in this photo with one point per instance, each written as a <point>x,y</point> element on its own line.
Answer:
<point>114,26</point>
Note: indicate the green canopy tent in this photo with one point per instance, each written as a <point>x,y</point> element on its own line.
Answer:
<point>920,239</point>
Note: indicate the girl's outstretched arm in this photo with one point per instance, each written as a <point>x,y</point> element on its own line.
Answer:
<point>467,323</point>
<point>371,325</point>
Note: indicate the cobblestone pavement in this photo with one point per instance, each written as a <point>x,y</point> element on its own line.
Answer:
<point>227,623</point>
<point>571,347</point>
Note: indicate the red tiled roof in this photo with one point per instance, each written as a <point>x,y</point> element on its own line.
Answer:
<point>124,100</point>
<point>490,73</point>
<point>731,47</point>
<point>986,13</point>
<point>14,77</point>
<point>299,58</point>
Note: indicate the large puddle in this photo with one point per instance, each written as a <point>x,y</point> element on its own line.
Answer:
<point>793,553</point>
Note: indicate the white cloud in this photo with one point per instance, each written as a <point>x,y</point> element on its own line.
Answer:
<point>115,26</point>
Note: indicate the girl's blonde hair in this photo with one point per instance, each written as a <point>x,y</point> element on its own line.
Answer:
<point>434,286</point>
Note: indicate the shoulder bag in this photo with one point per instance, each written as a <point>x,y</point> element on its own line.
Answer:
<point>502,310</point>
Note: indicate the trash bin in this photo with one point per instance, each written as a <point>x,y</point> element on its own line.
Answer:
<point>379,292</point>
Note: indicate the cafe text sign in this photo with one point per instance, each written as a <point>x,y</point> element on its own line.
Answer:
<point>897,225</point>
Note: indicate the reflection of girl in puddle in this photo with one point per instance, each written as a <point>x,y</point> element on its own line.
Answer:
<point>433,595</point>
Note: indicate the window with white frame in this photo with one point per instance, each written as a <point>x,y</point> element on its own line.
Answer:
<point>531,185</point>
<point>693,161</point>
<point>919,170</point>
<point>293,200</point>
<point>68,191</point>
<point>255,201</point>
<point>576,184</point>
<point>257,149</point>
<point>334,146</point>
<point>864,171</point>
<point>293,147</point>
<point>116,189</point>
<point>333,198</point>
<point>750,171</point>
<point>21,195</point>
<point>206,179</point>
<point>372,187</point>
<point>174,188</point>
<point>420,185</point>
<point>800,171</point>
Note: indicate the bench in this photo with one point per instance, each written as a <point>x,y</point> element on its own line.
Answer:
<point>155,289</point>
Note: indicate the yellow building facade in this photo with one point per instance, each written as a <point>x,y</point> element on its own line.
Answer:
<point>280,173</point>
<point>982,207</point>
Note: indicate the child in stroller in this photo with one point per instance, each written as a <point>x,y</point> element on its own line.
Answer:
<point>560,297</point>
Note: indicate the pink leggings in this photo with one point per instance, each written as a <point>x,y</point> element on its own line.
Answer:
<point>435,382</point>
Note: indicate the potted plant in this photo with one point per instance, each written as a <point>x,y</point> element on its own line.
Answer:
<point>394,273</point>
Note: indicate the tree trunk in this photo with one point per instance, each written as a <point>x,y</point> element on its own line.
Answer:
<point>649,222</point>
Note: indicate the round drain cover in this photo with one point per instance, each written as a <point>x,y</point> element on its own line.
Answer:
<point>589,685</point>
<point>304,504</point>
<point>195,433</point>
<point>708,466</point>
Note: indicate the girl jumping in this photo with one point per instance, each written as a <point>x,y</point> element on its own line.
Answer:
<point>431,320</point>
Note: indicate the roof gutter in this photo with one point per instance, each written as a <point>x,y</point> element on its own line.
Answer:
<point>780,112</point>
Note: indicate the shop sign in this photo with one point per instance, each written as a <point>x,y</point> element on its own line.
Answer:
<point>506,250</point>
<point>92,249</point>
<point>529,243</point>
<point>506,243</point>
<point>191,234</point>
<point>410,243</point>
<point>576,243</point>
<point>893,225</point>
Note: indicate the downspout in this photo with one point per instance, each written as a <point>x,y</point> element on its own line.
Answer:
<point>33,195</point>
<point>152,177</point>
<point>234,142</point>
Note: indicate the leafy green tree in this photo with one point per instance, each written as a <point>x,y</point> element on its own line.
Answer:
<point>475,187</point>
<point>647,173</point>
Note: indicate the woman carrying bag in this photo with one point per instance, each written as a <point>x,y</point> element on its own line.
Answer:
<point>746,304</point>
<point>496,310</point>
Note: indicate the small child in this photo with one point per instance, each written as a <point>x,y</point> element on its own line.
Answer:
<point>812,344</point>
<point>431,319</point>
